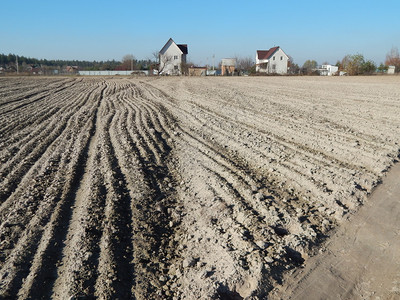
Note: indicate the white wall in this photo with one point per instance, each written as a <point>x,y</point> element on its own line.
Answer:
<point>172,58</point>
<point>330,70</point>
<point>391,69</point>
<point>279,60</point>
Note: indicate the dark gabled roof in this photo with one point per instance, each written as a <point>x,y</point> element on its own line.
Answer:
<point>266,54</point>
<point>184,48</point>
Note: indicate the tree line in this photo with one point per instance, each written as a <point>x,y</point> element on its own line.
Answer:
<point>352,64</point>
<point>10,60</point>
<point>356,64</point>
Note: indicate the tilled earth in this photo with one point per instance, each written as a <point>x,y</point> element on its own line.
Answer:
<point>182,188</point>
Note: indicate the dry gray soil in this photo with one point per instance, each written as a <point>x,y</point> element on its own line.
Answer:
<point>190,188</point>
<point>361,260</point>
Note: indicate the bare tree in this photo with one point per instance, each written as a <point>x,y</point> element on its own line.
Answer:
<point>128,62</point>
<point>244,64</point>
<point>156,56</point>
<point>293,68</point>
<point>185,67</point>
<point>393,59</point>
<point>163,61</point>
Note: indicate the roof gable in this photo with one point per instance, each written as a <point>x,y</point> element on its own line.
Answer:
<point>266,54</point>
<point>182,47</point>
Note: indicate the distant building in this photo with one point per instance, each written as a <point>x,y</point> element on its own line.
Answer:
<point>35,69</point>
<point>272,61</point>
<point>197,71</point>
<point>228,66</point>
<point>328,70</point>
<point>172,57</point>
<point>72,69</point>
<point>115,73</point>
<point>391,69</point>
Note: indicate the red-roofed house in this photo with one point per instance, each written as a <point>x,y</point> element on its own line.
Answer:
<point>272,61</point>
<point>171,58</point>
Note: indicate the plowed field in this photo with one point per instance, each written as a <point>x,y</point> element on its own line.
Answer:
<point>170,188</point>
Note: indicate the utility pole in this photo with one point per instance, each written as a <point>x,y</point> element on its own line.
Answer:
<point>213,61</point>
<point>16,63</point>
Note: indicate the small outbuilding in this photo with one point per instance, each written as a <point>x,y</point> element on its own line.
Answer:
<point>228,66</point>
<point>197,71</point>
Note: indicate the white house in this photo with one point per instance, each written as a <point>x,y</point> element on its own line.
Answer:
<point>328,70</point>
<point>273,60</point>
<point>171,58</point>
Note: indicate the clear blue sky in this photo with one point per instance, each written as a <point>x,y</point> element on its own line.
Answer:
<point>102,30</point>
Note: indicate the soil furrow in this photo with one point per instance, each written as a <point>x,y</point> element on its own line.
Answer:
<point>116,271</point>
<point>48,228</point>
<point>184,187</point>
<point>78,259</point>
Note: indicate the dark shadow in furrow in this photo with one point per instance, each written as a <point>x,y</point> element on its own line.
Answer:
<point>95,233</point>
<point>260,153</point>
<point>156,140</point>
<point>38,99</point>
<point>20,123</point>
<point>145,121</point>
<point>122,247</point>
<point>44,277</point>
<point>23,271</point>
<point>44,281</point>
<point>30,83</point>
<point>236,195</point>
<point>46,88</point>
<point>157,220</point>
<point>34,119</point>
<point>246,169</point>
<point>154,122</point>
<point>27,165</point>
<point>138,120</point>
<point>18,174</point>
<point>230,207</point>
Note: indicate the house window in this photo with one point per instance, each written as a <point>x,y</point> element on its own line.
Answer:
<point>176,67</point>
<point>281,57</point>
<point>274,67</point>
<point>176,57</point>
<point>273,58</point>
